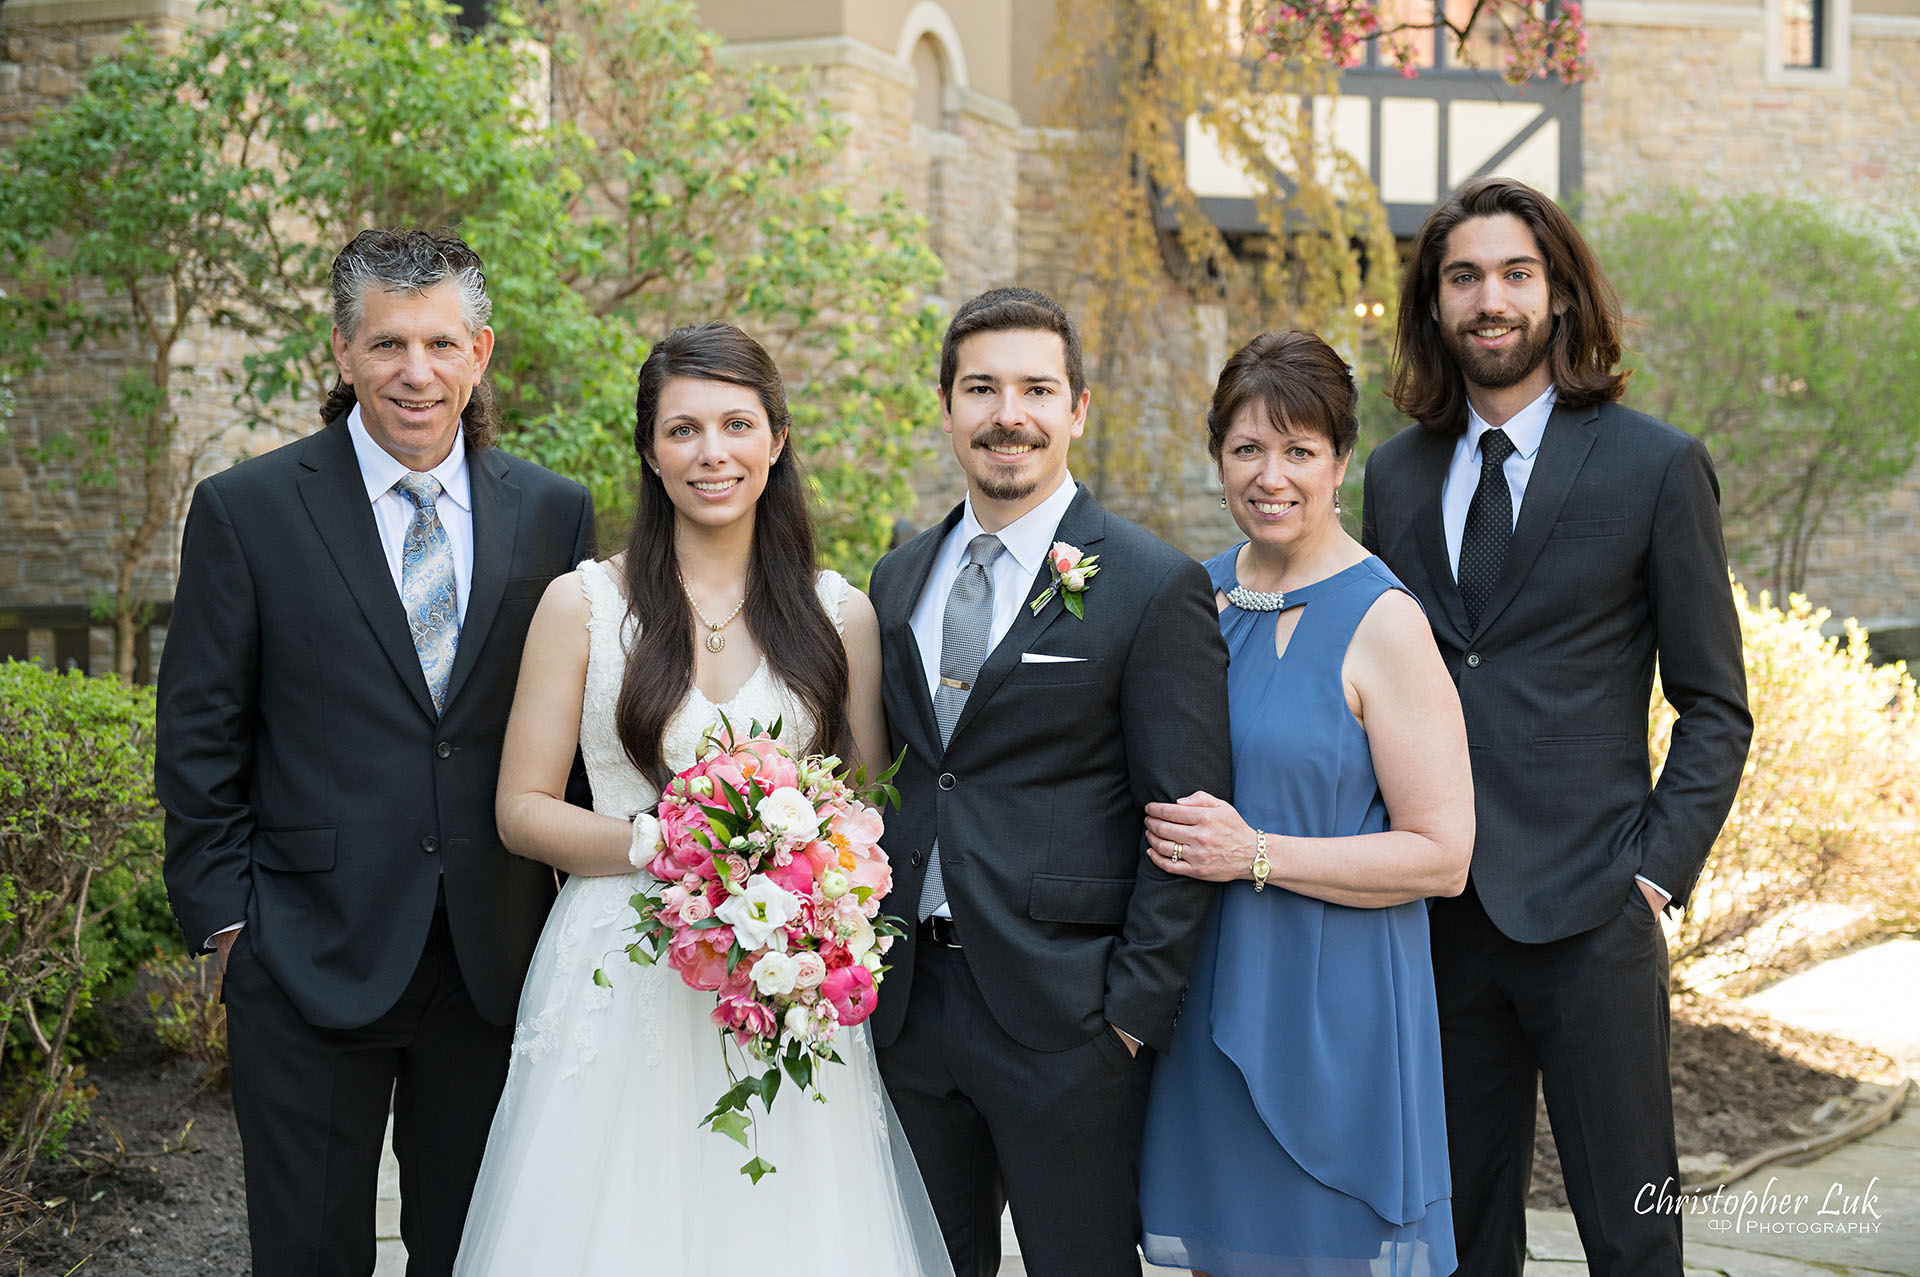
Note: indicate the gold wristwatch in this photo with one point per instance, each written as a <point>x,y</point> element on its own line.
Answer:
<point>1261,865</point>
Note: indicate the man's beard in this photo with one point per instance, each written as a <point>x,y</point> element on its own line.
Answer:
<point>1498,369</point>
<point>1012,487</point>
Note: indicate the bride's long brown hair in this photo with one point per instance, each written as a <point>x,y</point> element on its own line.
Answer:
<point>783,609</point>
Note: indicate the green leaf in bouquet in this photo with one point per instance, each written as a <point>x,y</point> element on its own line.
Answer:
<point>641,955</point>
<point>1074,605</point>
<point>754,793</point>
<point>799,1065</point>
<point>720,820</point>
<point>861,893</point>
<point>600,978</point>
<point>757,1168</point>
<point>707,923</point>
<point>735,1098</point>
<point>733,1124</point>
<point>892,767</point>
<point>738,802</point>
<point>778,725</point>
<point>769,1087</point>
<point>734,956</point>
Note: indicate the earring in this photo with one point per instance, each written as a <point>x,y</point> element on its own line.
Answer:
<point>1336,503</point>
<point>1223,498</point>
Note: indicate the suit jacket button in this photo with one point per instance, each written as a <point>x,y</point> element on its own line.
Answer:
<point>913,857</point>
<point>947,781</point>
<point>1473,660</point>
<point>444,749</point>
<point>429,844</point>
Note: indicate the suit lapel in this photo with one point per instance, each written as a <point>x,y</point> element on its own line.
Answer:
<point>1083,525</point>
<point>336,500</point>
<point>496,521</point>
<point>1563,450</point>
<point>1435,458</point>
<point>917,559</point>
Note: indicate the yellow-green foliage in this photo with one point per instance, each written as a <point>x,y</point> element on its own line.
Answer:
<point>1825,813</point>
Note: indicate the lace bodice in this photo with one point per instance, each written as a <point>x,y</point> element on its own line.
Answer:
<point>618,787</point>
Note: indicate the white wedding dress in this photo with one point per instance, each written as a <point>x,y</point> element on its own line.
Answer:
<point>595,1165</point>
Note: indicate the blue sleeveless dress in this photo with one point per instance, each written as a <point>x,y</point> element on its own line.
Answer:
<point>1297,1128</point>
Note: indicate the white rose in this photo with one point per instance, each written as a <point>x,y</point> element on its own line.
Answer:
<point>773,973</point>
<point>872,961</point>
<point>799,1020</point>
<point>788,815</point>
<point>1075,580</point>
<point>859,937</point>
<point>834,884</point>
<point>647,842</point>
<point>759,911</point>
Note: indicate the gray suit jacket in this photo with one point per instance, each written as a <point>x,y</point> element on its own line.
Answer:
<point>1038,800</point>
<point>1617,561</point>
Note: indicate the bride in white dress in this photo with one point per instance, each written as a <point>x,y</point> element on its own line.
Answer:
<point>596,1164</point>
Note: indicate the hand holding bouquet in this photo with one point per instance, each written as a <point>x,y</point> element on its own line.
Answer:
<point>770,879</point>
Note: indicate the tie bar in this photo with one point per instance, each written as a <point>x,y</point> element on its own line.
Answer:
<point>955,684</point>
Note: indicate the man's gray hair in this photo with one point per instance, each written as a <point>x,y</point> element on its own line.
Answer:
<point>407,261</point>
<point>412,261</point>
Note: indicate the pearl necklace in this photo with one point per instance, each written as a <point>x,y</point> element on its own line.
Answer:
<point>1255,600</point>
<point>716,641</point>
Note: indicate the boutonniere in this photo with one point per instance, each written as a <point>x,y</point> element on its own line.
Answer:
<point>1071,572</point>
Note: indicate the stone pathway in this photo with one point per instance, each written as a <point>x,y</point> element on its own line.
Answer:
<point>1854,1212</point>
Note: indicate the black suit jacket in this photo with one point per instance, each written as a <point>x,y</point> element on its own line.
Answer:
<point>1616,561</point>
<point>1039,799</point>
<point>310,788</point>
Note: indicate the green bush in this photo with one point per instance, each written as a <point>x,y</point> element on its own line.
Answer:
<point>1826,810</point>
<point>79,838</point>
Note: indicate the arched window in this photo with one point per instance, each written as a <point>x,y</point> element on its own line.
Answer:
<point>930,85</point>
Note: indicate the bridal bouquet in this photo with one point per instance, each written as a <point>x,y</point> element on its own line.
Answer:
<point>770,879</point>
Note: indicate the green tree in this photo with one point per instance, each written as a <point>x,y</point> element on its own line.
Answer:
<point>1784,331</point>
<point>615,178</point>
<point>125,224</point>
<point>1137,83</point>
<point>618,182</point>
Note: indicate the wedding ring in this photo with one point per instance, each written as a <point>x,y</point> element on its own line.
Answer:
<point>1179,851</point>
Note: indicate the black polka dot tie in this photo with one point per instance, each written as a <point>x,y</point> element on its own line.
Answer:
<point>1483,543</point>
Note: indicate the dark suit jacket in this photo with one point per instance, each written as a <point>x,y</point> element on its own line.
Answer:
<point>1039,799</point>
<point>309,787</point>
<point>1617,559</point>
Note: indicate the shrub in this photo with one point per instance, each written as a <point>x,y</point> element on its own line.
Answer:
<point>79,832</point>
<point>1825,812</point>
<point>188,1016</point>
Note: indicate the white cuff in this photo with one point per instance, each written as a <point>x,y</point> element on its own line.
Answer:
<point>1668,895</point>
<point>209,945</point>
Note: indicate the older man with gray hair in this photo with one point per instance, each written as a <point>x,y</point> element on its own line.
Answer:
<point>344,646</point>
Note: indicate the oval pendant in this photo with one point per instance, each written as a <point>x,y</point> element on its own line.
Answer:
<point>716,641</point>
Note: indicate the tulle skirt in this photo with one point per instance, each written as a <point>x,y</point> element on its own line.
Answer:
<point>595,1164</point>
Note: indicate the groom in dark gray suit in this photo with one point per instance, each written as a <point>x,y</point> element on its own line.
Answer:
<point>1050,954</point>
<point>1562,545</point>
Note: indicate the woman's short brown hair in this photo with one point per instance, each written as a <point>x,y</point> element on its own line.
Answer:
<point>1300,381</point>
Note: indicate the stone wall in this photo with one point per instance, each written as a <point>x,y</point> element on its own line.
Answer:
<point>1675,102</point>
<point>61,528</point>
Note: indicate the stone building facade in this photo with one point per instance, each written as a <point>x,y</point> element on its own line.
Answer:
<point>946,102</point>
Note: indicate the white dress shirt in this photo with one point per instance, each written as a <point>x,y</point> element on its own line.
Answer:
<point>1525,429</point>
<point>1027,539</point>
<point>393,511</point>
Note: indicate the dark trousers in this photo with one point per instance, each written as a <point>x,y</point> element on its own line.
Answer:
<point>1056,1133</point>
<point>312,1108</point>
<point>1587,1018</point>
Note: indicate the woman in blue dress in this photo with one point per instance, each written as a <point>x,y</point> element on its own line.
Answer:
<point>1297,1127</point>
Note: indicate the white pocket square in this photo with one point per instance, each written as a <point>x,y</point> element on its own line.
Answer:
<point>1041,658</point>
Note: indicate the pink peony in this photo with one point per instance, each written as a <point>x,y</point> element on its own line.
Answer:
<point>850,990</point>
<point>762,759</point>
<point>795,876</point>
<point>860,825</point>
<point>701,956</point>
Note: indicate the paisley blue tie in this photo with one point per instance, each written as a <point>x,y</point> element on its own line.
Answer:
<point>428,589</point>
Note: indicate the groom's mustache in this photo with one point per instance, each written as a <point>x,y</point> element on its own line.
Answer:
<point>1001,438</point>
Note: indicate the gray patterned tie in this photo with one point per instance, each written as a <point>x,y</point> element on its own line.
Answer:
<point>963,647</point>
<point>428,589</point>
